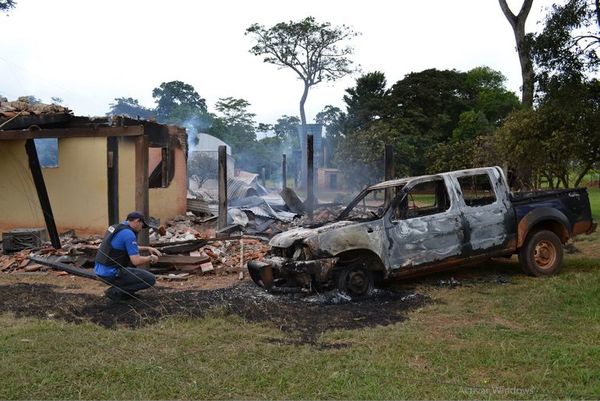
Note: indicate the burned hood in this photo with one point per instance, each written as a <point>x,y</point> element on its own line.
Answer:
<point>288,238</point>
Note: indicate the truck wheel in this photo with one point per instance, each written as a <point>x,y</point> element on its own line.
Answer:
<point>355,281</point>
<point>542,254</point>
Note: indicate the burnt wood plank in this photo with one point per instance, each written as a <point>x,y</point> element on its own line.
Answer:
<point>40,187</point>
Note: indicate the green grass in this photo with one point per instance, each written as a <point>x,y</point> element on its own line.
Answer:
<point>532,339</point>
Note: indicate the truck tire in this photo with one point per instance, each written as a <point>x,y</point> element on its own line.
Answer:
<point>355,281</point>
<point>542,254</point>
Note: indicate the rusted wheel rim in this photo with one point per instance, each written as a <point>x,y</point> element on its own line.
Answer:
<point>544,254</point>
<point>358,283</point>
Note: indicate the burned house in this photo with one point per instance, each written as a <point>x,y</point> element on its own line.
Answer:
<point>102,168</point>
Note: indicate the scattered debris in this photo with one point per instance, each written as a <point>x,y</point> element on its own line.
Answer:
<point>452,283</point>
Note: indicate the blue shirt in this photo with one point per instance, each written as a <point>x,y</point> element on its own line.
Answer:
<point>124,240</point>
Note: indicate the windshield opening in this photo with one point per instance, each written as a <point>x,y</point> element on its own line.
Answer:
<point>369,204</point>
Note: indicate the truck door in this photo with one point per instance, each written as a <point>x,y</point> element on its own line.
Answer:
<point>423,226</point>
<point>487,212</point>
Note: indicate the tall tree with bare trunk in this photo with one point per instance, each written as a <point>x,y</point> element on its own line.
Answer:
<point>313,50</point>
<point>517,22</point>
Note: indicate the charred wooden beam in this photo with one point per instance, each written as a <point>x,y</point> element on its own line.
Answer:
<point>112,172</point>
<point>222,220</point>
<point>310,176</point>
<point>84,132</point>
<point>40,187</point>
<point>283,171</point>
<point>141,183</point>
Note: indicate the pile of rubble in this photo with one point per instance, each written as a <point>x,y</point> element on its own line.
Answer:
<point>187,248</point>
<point>23,107</point>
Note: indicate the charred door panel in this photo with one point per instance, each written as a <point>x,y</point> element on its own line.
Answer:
<point>425,226</point>
<point>487,213</point>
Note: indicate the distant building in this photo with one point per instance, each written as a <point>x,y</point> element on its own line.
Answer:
<point>316,130</point>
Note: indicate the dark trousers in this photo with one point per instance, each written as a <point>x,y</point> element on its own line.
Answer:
<point>130,280</point>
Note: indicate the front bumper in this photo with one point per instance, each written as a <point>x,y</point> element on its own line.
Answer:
<point>281,272</point>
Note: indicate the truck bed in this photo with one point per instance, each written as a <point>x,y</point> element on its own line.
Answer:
<point>572,202</point>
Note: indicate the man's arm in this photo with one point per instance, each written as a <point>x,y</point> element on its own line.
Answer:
<point>133,250</point>
<point>153,251</point>
<point>139,260</point>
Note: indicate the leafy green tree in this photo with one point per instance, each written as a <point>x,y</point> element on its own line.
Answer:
<point>6,5</point>
<point>360,154</point>
<point>366,102</point>
<point>178,102</point>
<point>235,125</point>
<point>432,100</point>
<point>311,49</point>
<point>567,48</point>
<point>470,125</point>
<point>202,167</point>
<point>487,91</point>
<point>129,107</point>
<point>331,118</point>
<point>286,129</point>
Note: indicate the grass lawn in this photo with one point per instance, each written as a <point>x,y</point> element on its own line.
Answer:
<point>530,338</point>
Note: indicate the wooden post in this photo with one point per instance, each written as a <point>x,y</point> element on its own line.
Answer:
<point>222,220</point>
<point>141,183</point>
<point>112,172</point>
<point>283,171</point>
<point>310,181</point>
<point>165,162</point>
<point>40,187</point>
<point>388,161</point>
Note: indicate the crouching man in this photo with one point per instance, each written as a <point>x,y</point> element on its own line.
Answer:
<point>117,254</point>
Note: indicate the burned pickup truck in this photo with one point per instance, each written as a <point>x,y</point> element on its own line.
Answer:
<point>409,226</point>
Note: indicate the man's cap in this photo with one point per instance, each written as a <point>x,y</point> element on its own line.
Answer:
<point>139,215</point>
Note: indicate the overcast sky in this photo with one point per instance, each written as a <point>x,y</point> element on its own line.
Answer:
<point>89,52</point>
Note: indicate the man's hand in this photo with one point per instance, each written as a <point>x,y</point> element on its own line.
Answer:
<point>153,251</point>
<point>153,259</point>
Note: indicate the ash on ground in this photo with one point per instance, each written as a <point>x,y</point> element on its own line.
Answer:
<point>302,316</point>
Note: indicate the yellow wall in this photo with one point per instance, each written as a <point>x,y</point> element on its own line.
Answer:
<point>78,187</point>
<point>166,203</point>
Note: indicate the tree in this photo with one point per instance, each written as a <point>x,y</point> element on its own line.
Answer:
<point>202,167</point>
<point>517,22</point>
<point>432,100</point>
<point>235,125</point>
<point>129,107</point>
<point>566,49</point>
<point>331,118</point>
<point>360,155</point>
<point>286,129</point>
<point>178,102</point>
<point>366,102</point>
<point>56,100</point>
<point>6,5</point>
<point>310,48</point>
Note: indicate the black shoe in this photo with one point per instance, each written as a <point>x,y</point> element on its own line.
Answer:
<point>117,295</point>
